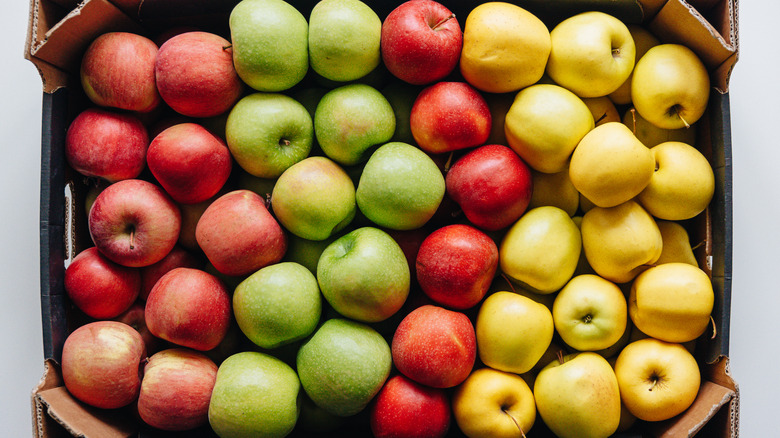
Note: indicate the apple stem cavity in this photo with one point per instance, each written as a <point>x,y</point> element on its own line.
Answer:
<point>284,142</point>
<point>514,420</point>
<point>436,26</point>
<point>675,110</point>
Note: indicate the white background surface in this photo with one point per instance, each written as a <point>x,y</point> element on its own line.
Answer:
<point>755,325</point>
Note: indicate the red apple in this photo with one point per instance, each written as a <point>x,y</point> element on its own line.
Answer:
<point>117,70</point>
<point>409,241</point>
<point>421,41</point>
<point>239,235</point>
<point>405,408</point>
<point>101,363</point>
<point>135,317</point>
<point>189,162</point>
<point>492,185</point>
<point>178,257</point>
<point>195,74</point>
<point>99,287</point>
<point>190,215</point>
<point>435,346</point>
<point>456,264</point>
<point>176,389</point>
<point>134,223</point>
<point>448,116</point>
<point>190,308</point>
<point>106,144</point>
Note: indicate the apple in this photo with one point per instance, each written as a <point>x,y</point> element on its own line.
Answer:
<point>178,257</point>
<point>405,408</point>
<point>190,308</point>
<point>344,38</point>
<point>134,223</point>
<point>101,364</point>
<point>492,185</point>
<point>400,187</point>
<point>421,41</point>
<point>351,121</point>
<point>456,264</point>
<point>195,74</point>
<point>106,144</point>
<point>448,116</point>
<point>643,41</point>
<point>343,365</point>
<point>554,189</point>
<point>602,109</point>
<point>190,215</point>
<point>99,287</point>
<point>651,135</point>
<point>255,394</point>
<point>493,403</point>
<point>505,48</point>
<point>364,275</point>
<point>189,162</point>
<point>239,235</point>
<point>401,97</point>
<point>676,245</point>
<point>268,132</point>
<point>176,389</point>
<point>306,252</point>
<point>314,199</point>
<point>592,54</point>
<point>135,317</point>
<point>270,44</point>
<point>435,346</point>
<point>117,71</point>
<point>513,332</point>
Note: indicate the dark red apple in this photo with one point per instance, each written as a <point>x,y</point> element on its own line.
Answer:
<point>492,185</point>
<point>134,223</point>
<point>117,70</point>
<point>448,116</point>
<point>99,287</point>
<point>178,257</point>
<point>405,408</point>
<point>421,41</point>
<point>189,162</point>
<point>135,317</point>
<point>435,346</point>
<point>239,235</point>
<point>195,74</point>
<point>101,364</point>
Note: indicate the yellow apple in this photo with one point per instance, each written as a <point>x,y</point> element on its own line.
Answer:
<point>544,125</point>
<point>651,135</point>
<point>505,48</point>
<point>676,244</point>
<point>513,332</point>
<point>658,380</point>
<point>493,404</point>
<point>672,302</point>
<point>643,41</point>
<point>585,203</point>
<point>554,189</point>
<point>602,109</point>
<point>682,185</point>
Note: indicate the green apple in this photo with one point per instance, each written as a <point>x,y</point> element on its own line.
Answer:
<point>400,187</point>
<point>343,366</point>
<point>651,135</point>
<point>592,54</point>
<point>590,313</point>
<point>643,41</point>
<point>351,121</point>
<point>268,132</point>
<point>544,125</point>
<point>578,396</point>
<point>278,304</point>
<point>270,44</point>
<point>306,252</point>
<point>314,198</point>
<point>513,332</point>
<point>344,39</point>
<point>676,244</point>
<point>364,275</point>
<point>255,395</point>
<point>541,249</point>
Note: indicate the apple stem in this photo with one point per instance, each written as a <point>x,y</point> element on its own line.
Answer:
<point>697,246</point>
<point>655,382</point>
<point>229,46</point>
<point>676,110</point>
<point>284,142</point>
<point>559,355</point>
<point>132,238</point>
<point>714,328</point>
<point>514,420</point>
<point>603,116</point>
<point>448,164</point>
<point>268,201</point>
<point>511,286</point>
<point>435,26</point>
<point>633,118</point>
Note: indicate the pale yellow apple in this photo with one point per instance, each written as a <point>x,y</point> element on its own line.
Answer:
<point>651,135</point>
<point>602,109</point>
<point>585,203</point>
<point>590,313</point>
<point>544,125</point>
<point>682,185</point>
<point>502,283</point>
<point>613,350</point>
<point>554,189</point>
<point>610,165</point>
<point>505,48</point>
<point>493,404</point>
<point>627,419</point>
<point>541,249</point>
<point>658,380</point>
<point>672,302</point>
<point>578,397</point>
<point>643,41</point>
<point>583,267</point>
<point>676,244</point>
<point>621,241</point>
<point>513,332</point>
<point>671,86</point>
<point>592,54</point>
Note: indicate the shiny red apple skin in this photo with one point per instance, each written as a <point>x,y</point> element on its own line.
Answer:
<point>405,408</point>
<point>99,287</point>
<point>492,185</point>
<point>178,257</point>
<point>421,41</point>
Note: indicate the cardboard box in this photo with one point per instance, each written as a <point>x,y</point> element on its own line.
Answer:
<point>60,30</point>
